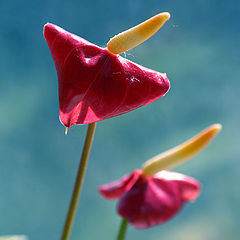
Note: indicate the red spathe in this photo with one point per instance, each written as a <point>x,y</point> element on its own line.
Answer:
<point>95,84</point>
<point>149,201</point>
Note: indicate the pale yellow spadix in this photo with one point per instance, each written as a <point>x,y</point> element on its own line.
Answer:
<point>134,36</point>
<point>181,153</point>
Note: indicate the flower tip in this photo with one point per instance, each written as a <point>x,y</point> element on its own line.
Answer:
<point>47,31</point>
<point>134,36</point>
<point>50,31</point>
<point>66,130</point>
<point>46,24</point>
<point>46,27</point>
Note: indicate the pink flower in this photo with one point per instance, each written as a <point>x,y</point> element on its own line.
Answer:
<point>152,196</point>
<point>94,83</point>
<point>149,201</point>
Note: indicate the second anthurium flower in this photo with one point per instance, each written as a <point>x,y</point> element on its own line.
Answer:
<point>149,201</point>
<point>152,195</point>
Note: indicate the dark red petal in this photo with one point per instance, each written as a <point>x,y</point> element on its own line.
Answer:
<point>95,84</point>
<point>117,188</point>
<point>154,200</point>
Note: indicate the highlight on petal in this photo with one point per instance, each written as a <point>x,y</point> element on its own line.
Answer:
<point>181,153</point>
<point>189,187</point>
<point>95,84</point>
<point>134,36</point>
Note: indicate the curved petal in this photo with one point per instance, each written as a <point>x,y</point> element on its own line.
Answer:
<point>95,84</point>
<point>188,187</point>
<point>117,188</point>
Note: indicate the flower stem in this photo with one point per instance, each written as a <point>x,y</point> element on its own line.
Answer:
<point>78,182</point>
<point>123,229</point>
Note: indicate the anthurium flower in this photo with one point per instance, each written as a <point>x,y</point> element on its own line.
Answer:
<point>96,83</point>
<point>151,196</point>
<point>148,201</point>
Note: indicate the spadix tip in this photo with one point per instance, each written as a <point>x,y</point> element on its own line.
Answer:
<point>165,15</point>
<point>216,127</point>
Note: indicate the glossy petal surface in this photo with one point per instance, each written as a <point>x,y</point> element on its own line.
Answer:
<point>95,84</point>
<point>153,200</point>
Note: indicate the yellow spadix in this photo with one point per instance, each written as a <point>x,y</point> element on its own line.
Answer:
<point>181,153</point>
<point>134,36</point>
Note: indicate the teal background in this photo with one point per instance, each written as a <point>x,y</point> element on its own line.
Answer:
<point>198,48</point>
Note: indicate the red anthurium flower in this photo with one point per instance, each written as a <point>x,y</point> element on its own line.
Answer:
<point>148,201</point>
<point>94,83</point>
<point>152,196</point>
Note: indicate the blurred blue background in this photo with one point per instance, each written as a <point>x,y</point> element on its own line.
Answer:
<point>199,50</point>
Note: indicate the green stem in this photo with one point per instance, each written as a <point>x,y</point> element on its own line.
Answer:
<point>78,182</point>
<point>123,229</point>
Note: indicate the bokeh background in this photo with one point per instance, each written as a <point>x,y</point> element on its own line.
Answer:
<point>198,49</point>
